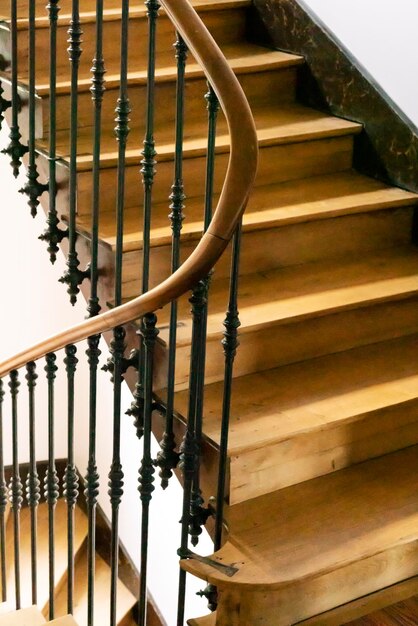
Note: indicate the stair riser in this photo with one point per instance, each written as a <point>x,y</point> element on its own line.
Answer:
<point>278,87</point>
<point>315,336</point>
<point>23,7</point>
<point>227,26</point>
<point>290,245</point>
<point>258,472</point>
<point>277,164</point>
<point>350,581</point>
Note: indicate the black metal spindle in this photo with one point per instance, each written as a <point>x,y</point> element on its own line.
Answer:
<point>15,486</point>
<point>15,150</point>
<point>97,91</point>
<point>3,505</point>
<point>146,473</point>
<point>92,477</point>
<point>33,188</point>
<point>51,483</point>
<point>168,458</point>
<point>52,234</point>
<point>230,345</point>
<point>122,131</point>
<point>116,473</point>
<point>73,276</point>
<point>71,477</point>
<point>33,491</point>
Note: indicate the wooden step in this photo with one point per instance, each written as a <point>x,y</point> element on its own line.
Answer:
<point>67,620</point>
<point>280,224</point>
<point>401,614</point>
<point>43,551</point>
<point>326,541</point>
<point>207,620</point>
<point>267,76</point>
<point>125,602</point>
<point>300,312</point>
<point>25,617</point>
<point>294,423</point>
<point>296,143</point>
<point>225,20</point>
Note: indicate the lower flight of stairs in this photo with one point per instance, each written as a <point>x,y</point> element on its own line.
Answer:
<point>321,487</point>
<point>126,600</point>
<point>33,617</point>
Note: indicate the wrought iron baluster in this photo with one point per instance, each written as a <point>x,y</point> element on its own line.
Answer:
<point>194,514</point>
<point>122,131</point>
<point>92,477</point>
<point>146,473</point>
<point>51,483</point>
<point>116,473</point>
<point>15,486</point>
<point>53,235</point>
<point>3,505</point>
<point>15,150</point>
<point>97,91</point>
<point>73,276</point>
<point>33,188</point>
<point>71,477</point>
<point>168,458</point>
<point>33,491</point>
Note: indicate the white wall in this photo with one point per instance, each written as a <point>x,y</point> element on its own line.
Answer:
<point>381,34</point>
<point>34,306</point>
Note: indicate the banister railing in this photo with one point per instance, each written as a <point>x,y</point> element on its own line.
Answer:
<point>193,275</point>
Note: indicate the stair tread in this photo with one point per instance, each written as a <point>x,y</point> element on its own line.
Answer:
<point>66,620</point>
<point>112,11</point>
<point>80,533</point>
<point>243,58</point>
<point>297,292</point>
<point>289,124</point>
<point>269,206</point>
<point>207,620</point>
<point>278,404</point>
<point>30,616</point>
<point>126,599</point>
<point>353,514</point>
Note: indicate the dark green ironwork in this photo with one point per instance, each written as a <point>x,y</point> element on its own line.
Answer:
<point>15,485</point>
<point>125,363</point>
<point>4,105</point>
<point>97,91</point>
<point>73,276</point>
<point>117,348</point>
<point>230,345</point>
<point>51,483</point>
<point>52,234</point>
<point>3,505</point>
<point>213,108</point>
<point>149,334</point>
<point>168,458</point>
<point>211,594</point>
<point>15,150</point>
<point>92,477</point>
<point>33,188</point>
<point>33,491</point>
<point>122,131</point>
<point>71,476</point>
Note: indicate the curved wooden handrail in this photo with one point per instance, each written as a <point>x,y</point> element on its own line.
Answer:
<point>238,182</point>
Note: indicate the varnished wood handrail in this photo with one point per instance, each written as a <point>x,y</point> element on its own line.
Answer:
<point>238,182</point>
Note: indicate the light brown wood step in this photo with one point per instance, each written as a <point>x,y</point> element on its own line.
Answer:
<point>102,593</point>
<point>67,620</point>
<point>80,533</point>
<point>326,541</point>
<point>225,20</point>
<point>299,312</point>
<point>207,620</point>
<point>300,421</point>
<point>30,616</point>
<point>268,77</point>
<point>296,143</point>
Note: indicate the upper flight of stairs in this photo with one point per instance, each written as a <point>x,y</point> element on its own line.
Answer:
<point>126,600</point>
<point>322,496</point>
<point>32,617</point>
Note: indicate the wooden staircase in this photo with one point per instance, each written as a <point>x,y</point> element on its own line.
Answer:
<point>323,505</point>
<point>126,600</point>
